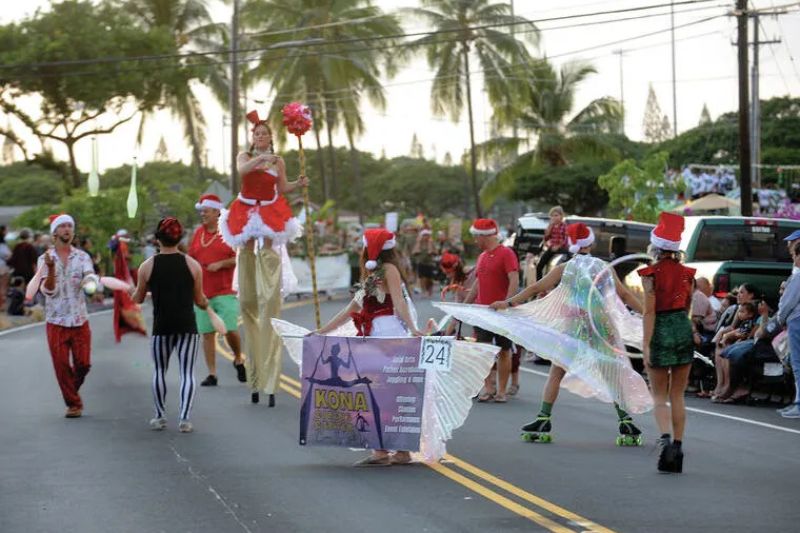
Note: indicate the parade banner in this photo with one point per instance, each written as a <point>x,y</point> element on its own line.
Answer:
<point>362,392</point>
<point>333,273</point>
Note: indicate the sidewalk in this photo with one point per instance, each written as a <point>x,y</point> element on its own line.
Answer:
<point>37,315</point>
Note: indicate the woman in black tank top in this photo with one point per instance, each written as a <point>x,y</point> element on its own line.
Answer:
<point>176,283</point>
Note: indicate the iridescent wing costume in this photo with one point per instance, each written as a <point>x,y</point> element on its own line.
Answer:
<point>559,327</point>
<point>448,396</point>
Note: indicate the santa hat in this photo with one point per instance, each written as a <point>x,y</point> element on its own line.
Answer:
<point>484,226</point>
<point>449,261</point>
<point>667,234</point>
<point>57,220</point>
<point>376,241</point>
<point>580,236</point>
<point>211,201</point>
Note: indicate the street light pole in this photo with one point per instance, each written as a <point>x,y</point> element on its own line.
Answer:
<point>620,53</point>
<point>674,86</point>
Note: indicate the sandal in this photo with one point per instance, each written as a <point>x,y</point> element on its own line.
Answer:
<point>500,399</point>
<point>400,458</point>
<point>513,390</point>
<point>486,396</point>
<point>372,460</point>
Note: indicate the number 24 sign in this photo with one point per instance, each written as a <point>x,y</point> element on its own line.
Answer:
<point>435,353</point>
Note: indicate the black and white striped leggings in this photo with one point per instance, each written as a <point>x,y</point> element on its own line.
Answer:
<point>161,348</point>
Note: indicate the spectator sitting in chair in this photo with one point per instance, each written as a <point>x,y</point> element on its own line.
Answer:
<point>727,323</point>
<point>735,346</point>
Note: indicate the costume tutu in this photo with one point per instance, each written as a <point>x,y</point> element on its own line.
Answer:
<point>558,327</point>
<point>448,396</point>
<point>259,212</point>
<point>127,313</point>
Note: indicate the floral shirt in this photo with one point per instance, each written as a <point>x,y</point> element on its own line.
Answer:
<point>66,305</point>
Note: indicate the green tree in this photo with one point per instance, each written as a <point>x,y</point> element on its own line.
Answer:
<point>27,183</point>
<point>192,30</point>
<point>472,28</point>
<point>544,106</point>
<point>79,100</point>
<point>635,190</point>
<point>332,77</point>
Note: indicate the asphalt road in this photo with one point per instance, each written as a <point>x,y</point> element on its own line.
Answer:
<point>243,471</point>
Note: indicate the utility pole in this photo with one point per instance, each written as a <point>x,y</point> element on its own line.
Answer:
<point>514,130</point>
<point>745,184</point>
<point>621,53</point>
<point>234,98</point>
<point>674,86</point>
<point>755,118</point>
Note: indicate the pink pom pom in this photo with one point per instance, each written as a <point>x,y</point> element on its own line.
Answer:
<point>371,265</point>
<point>297,118</point>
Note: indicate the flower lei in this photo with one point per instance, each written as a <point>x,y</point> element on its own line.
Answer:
<point>371,286</point>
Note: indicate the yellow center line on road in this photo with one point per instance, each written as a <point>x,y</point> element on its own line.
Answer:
<point>586,525</point>
<point>499,499</point>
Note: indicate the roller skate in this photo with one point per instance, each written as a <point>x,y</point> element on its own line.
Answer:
<point>629,434</point>
<point>538,430</point>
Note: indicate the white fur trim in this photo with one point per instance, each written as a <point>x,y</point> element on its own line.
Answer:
<point>664,244</point>
<point>388,245</point>
<point>256,229</point>
<point>253,201</point>
<point>371,265</point>
<point>474,231</point>
<point>211,204</point>
<point>61,219</point>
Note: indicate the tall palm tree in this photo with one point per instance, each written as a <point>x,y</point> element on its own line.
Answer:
<point>194,31</point>
<point>331,76</point>
<point>465,29</point>
<point>542,106</point>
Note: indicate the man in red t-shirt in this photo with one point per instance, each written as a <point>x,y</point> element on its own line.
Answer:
<point>218,261</point>
<point>497,275</point>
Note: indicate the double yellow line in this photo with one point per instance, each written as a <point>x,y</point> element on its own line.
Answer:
<point>521,502</point>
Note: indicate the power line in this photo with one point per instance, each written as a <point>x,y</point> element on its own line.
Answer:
<point>305,44</point>
<point>338,53</point>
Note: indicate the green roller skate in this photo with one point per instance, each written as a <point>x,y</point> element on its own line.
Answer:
<point>538,430</point>
<point>629,434</point>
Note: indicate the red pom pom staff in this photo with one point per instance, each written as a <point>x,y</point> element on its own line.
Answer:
<point>297,119</point>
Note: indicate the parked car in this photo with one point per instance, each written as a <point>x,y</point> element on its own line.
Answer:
<point>730,251</point>
<point>613,239</point>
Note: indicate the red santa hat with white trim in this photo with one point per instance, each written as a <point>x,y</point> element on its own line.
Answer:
<point>209,200</point>
<point>484,226</point>
<point>667,234</point>
<point>57,220</point>
<point>376,241</point>
<point>580,236</point>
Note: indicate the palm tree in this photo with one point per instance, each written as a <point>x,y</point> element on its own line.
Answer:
<point>331,77</point>
<point>542,105</point>
<point>466,28</point>
<point>194,31</point>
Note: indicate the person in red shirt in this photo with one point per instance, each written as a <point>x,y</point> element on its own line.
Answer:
<point>668,348</point>
<point>497,275</point>
<point>218,261</point>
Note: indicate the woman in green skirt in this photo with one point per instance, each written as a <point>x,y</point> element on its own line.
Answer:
<point>668,348</point>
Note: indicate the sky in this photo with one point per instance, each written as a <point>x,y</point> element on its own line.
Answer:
<point>706,74</point>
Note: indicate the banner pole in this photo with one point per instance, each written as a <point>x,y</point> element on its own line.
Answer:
<point>309,236</point>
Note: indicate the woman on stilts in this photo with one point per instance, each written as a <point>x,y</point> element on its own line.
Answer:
<point>667,342</point>
<point>258,224</point>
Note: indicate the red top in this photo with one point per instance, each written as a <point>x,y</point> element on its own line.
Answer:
<point>370,310</point>
<point>672,283</point>
<point>557,236</point>
<point>259,184</point>
<point>219,282</point>
<point>492,273</point>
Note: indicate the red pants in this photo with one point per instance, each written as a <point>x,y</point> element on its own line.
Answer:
<point>70,377</point>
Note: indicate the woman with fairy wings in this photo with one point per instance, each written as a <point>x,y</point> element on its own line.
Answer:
<point>258,224</point>
<point>381,308</point>
<point>579,328</point>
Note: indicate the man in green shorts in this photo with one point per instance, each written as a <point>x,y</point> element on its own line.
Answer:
<point>218,261</point>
